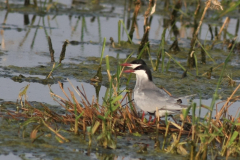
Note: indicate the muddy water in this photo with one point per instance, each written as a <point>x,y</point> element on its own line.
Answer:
<point>41,93</point>
<point>24,50</point>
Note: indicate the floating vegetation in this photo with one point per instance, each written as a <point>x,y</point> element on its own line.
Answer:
<point>192,136</point>
<point>112,118</point>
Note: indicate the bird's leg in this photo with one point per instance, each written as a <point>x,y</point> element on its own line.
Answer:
<point>173,118</point>
<point>150,118</point>
<point>143,115</point>
<point>154,121</point>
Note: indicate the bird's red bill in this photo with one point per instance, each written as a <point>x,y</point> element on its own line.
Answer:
<point>129,71</point>
<point>126,64</point>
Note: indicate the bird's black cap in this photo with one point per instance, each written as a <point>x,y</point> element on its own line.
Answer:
<point>138,61</point>
<point>147,70</point>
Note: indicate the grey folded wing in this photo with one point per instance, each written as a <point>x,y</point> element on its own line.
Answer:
<point>148,100</point>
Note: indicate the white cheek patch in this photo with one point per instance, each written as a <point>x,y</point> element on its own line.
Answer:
<point>134,65</point>
<point>141,74</point>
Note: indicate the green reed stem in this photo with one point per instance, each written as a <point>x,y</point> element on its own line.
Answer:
<point>118,74</point>
<point>140,54</point>
<point>107,63</point>
<point>119,32</point>
<point>129,77</point>
<point>128,57</point>
<point>200,108</point>
<point>206,51</point>
<point>195,58</point>
<point>177,62</point>
<point>150,57</point>
<point>168,64</point>
<point>193,148</point>
<point>105,97</point>
<point>126,31</point>
<point>76,119</point>
<point>230,9</point>
<point>215,95</point>
<point>162,46</point>
<point>99,29</point>
<point>103,48</point>
<point>166,133</point>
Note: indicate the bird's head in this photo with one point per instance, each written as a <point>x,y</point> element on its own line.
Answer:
<point>140,68</point>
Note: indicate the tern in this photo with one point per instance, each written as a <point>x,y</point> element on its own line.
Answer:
<point>147,96</point>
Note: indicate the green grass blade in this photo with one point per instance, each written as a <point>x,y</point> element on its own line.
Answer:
<point>162,46</point>
<point>126,31</point>
<point>186,111</point>
<point>193,113</point>
<point>168,64</point>
<point>232,8</point>
<point>140,54</point>
<point>234,136</point>
<point>30,120</point>
<point>107,63</point>
<point>79,116</point>
<point>105,97</point>
<point>119,32</point>
<point>118,76</point>
<point>206,51</point>
<point>117,99</point>
<point>115,107</point>
<point>195,58</point>
<point>215,95</point>
<point>108,68</point>
<point>177,62</point>
<point>150,57</point>
<point>103,48</point>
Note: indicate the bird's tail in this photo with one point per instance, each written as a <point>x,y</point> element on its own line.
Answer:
<point>185,97</point>
<point>179,99</point>
<point>184,106</point>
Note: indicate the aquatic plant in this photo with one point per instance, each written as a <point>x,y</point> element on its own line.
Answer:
<point>114,118</point>
<point>193,137</point>
<point>117,119</point>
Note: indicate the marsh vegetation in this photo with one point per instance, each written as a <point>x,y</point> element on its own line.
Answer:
<point>191,47</point>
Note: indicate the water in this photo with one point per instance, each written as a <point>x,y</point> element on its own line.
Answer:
<point>25,46</point>
<point>41,93</point>
<point>233,110</point>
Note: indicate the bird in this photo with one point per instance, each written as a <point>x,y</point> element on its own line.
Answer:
<point>147,96</point>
